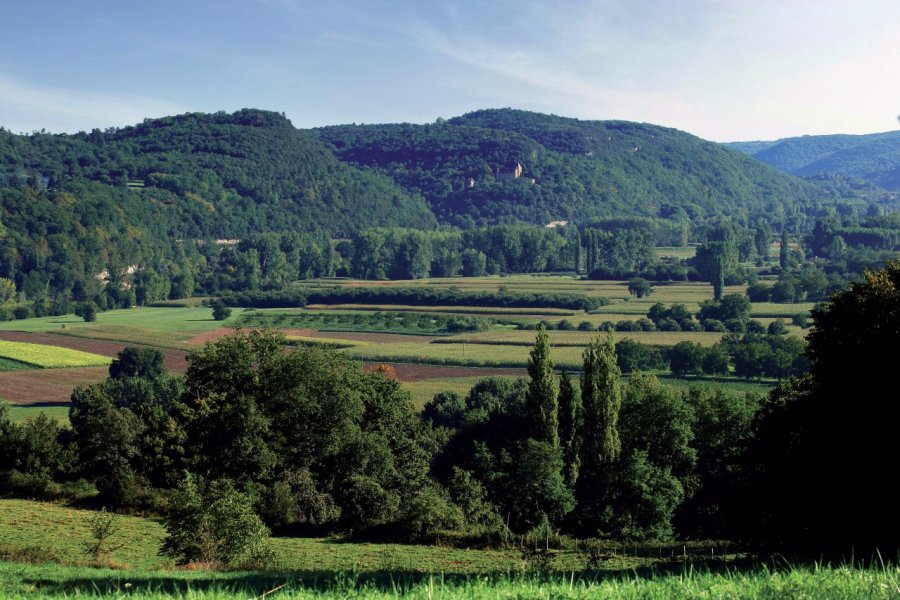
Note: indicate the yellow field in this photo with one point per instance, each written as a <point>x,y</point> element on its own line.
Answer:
<point>49,357</point>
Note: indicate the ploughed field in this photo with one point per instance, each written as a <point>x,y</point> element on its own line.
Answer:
<point>431,348</point>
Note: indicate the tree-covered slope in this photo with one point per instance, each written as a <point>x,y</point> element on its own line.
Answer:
<point>570,169</point>
<point>874,157</point>
<point>219,175</point>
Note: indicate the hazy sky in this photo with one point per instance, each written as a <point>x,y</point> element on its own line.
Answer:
<point>724,70</point>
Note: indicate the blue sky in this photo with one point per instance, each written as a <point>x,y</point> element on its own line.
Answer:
<point>724,70</point>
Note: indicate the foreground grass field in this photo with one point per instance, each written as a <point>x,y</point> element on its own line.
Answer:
<point>50,581</point>
<point>33,534</point>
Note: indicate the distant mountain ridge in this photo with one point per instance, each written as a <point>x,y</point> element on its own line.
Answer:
<point>872,157</point>
<point>569,169</point>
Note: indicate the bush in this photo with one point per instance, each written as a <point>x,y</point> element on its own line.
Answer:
<point>585,326</point>
<point>645,324</point>
<point>565,325</point>
<point>220,311</point>
<point>713,325</point>
<point>776,327</point>
<point>759,292</point>
<point>801,320</point>
<point>668,325</point>
<point>754,326</point>
<point>736,325</point>
<point>215,524</point>
<point>625,325</point>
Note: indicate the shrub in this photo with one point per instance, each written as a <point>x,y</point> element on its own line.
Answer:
<point>801,320</point>
<point>713,325</point>
<point>776,327</point>
<point>220,311</point>
<point>668,325</point>
<point>565,325</point>
<point>214,524</point>
<point>585,326</point>
<point>754,326</point>
<point>759,292</point>
<point>625,325</point>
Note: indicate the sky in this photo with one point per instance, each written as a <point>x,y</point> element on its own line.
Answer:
<point>725,70</point>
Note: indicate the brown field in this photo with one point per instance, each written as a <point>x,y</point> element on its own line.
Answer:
<point>210,336</point>
<point>407,372</point>
<point>47,385</point>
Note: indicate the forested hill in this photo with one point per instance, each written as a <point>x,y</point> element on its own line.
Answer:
<point>467,169</point>
<point>211,175</point>
<point>874,157</point>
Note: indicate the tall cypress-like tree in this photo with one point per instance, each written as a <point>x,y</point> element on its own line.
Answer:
<point>542,399</point>
<point>601,397</point>
<point>783,252</point>
<point>569,428</point>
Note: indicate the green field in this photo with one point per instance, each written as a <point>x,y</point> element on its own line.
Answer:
<point>49,357</point>
<point>33,534</point>
<point>17,414</point>
<point>151,318</point>
<point>851,583</point>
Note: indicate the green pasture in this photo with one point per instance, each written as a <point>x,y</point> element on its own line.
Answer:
<point>8,364</point>
<point>41,554</point>
<point>153,318</point>
<point>423,391</point>
<point>581,339</point>
<point>18,414</point>
<point>754,582</point>
<point>49,357</point>
<point>682,252</point>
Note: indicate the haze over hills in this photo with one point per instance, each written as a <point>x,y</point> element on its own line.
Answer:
<point>874,157</point>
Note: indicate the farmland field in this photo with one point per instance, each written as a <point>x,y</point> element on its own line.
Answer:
<point>406,335</point>
<point>49,357</point>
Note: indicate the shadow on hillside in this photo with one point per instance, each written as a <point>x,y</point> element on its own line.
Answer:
<point>258,583</point>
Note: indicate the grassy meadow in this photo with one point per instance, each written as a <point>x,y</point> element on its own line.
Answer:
<point>42,554</point>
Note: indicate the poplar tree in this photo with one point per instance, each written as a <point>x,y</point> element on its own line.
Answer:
<point>569,428</point>
<point>601,397</point>
<point>542,398</point>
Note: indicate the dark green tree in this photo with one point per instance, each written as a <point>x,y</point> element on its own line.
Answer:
<point>570,417</point>
<point>601,397</point>
<point>818,463</point>
<point>148,363</point>
<point>542,399</point>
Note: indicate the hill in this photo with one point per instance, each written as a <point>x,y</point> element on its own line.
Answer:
<point>212,175</point>
<point>503,165</point>
<point>874,158</point>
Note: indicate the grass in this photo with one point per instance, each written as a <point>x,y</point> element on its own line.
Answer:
<point>47,357</point>
<point>754,582</point>
<point>8,364</point>
<point>151,318</point>
<point>423,391</point>
<point>561,339</point>
<point>682,252</point>
<point>18,414</point>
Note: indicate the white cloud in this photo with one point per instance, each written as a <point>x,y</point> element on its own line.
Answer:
<point>25,107</point>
